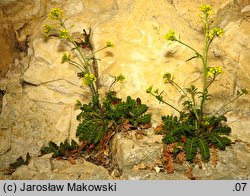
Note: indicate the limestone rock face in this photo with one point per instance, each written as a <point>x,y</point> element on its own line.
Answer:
<point>5,140</point>
<point>8,51</point>
<point>129,151</point>
<point>42,168</point>
<point>232,163</point>
<point>40,92</point>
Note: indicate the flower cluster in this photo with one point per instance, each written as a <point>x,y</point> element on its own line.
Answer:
<point>244,91</point>
<point>167,78</point>
<point>170,36</point>
<point>63,34</point>
<point>47,29</point>
<point>120,78</point>
<point>213,71</point>
<point>88,79</point>
<point>109,44</point>
<point>155,93</point>
<point>206,9</point>
<point>56,14</point>
<point>149,89</point>
<point>216,32</point>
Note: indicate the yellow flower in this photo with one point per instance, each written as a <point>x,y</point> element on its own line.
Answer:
<point>170,36</point>
<point>206,9</point>
<point>213,71</point>
<point>109,44</point>
<point>64,34</point>
<point>216,32</point>
<point>56,14</point>
<point>88,79</point>
<point>47,29</point>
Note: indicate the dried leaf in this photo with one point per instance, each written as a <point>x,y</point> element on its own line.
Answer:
<point>9,171</point>
<point>139,135</point>
<point>183,139</point>
<point>146,126</point>
<point>91,146</point>
<point>170,147</point>
<point>71,160</point>
<point>126,126</point>
<point>189,173</point>
<point>159,129</point>
<point>181,157</point>
<point>214,157</point>
<point>169,162</point>
<point>198,160</point>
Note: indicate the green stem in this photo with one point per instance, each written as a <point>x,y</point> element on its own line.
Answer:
<point>161,100</point>
<point>101,49</point>
<point>225,105</point>
<point>112,84</point>
<point>211,81</point>
<point>79,66</point>
<point>205,64</point>
<point>96,71</point>
<point>185,94</point>
<point>198,54</point>
<point>93,88</point>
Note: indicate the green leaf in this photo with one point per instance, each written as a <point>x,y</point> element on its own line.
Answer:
<point>225,130</point>
<point>19,161</point>
<point>169,139</point>
<point>139,110</point>
<point>100,133</point>
<point>191,148</point>
<point>220,142</point>
<point>170,122</point>
<point>143,119</point>
<point>204,149</point>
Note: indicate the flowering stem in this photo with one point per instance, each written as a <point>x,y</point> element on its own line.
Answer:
<point>79,66</point>
<point>178,87</point>
<point>101,49</point>
<point>96,71</point>
<point>170,106</point>
<point>198,54</point>
<point>161,100</point>
<point>225,105</point>
<point>205,63</point>
<point>211,81</point>
<point>86,66</point>
<point>185,94</point>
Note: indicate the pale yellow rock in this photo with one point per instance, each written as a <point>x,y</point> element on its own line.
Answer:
<point>128,151</point>
<point>64,122</point>
<point>24,173</point>
<point>41,164</point>
<point>5,135</point>
<point>7,47</point>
